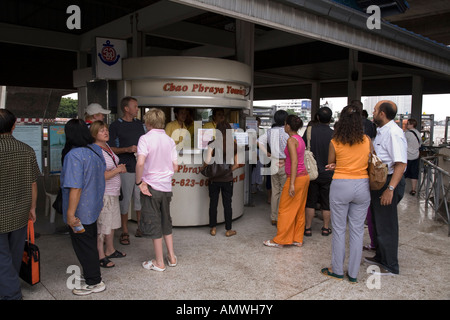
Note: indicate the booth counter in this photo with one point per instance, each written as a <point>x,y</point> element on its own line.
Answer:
<point>191,82</point>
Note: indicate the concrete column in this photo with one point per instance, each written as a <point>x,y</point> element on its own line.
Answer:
<point>315,99</point>
<point>245,50</point>
<point>417,99</point>
<point>2,97</point>
<point>138,38</point>
<point>354,76</point>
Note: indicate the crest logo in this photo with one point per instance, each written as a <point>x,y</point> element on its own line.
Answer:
<point>108,54</point>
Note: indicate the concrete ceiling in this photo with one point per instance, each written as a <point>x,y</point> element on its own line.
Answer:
<point>38,50</point>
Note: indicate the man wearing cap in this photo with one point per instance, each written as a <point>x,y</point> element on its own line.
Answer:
<point>95,112</point>
<point>390,146</point>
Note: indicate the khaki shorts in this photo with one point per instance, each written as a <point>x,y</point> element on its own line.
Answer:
<point>155,214</point>
<point>130,191</point>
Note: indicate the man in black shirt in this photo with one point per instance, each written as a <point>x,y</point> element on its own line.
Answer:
<point>319,189</point>
<point>124,134</point>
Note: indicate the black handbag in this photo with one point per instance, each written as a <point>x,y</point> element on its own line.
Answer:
<point>216,171</point>
<point>30,270</point>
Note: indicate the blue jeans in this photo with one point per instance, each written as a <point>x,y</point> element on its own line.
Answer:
<point>11,252</point>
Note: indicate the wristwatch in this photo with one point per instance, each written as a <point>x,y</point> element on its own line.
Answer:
<point>391,188</point>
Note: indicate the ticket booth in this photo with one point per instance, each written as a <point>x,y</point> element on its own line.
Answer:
<point>200,84</point>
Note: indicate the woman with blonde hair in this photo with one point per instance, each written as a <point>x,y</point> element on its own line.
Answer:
<point>109,218</point>
<point>291,212</point>
<point>156,164</point>
<point>349,192</point>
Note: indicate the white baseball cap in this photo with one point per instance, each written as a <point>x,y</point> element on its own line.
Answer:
<point>95,108</point>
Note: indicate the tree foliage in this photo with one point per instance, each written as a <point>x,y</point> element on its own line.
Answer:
<point>68,108</point>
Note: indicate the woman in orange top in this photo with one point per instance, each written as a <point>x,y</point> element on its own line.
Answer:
<point>349,191</point>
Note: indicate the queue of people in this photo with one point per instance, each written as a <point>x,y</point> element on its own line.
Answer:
<point>344,153</point>
<point>104,168</point>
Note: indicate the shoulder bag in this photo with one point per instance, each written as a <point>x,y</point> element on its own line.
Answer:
<point>30,268</point>
<point>309,160</point>
<point>378,171</point>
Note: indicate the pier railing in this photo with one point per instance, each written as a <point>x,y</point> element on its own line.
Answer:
<point>434,187</point>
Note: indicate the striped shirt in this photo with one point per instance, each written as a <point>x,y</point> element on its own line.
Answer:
<point>18,170</point>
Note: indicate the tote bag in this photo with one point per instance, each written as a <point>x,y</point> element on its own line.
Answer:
<point>30,270</point>
<point>378,171</point>
<point>309,160</point>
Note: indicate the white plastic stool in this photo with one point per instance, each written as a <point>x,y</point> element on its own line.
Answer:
<point>49,199</point>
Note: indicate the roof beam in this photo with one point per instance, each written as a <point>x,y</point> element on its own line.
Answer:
<point>15,34</point>
<point>329,22</point>
<point>155,16</point>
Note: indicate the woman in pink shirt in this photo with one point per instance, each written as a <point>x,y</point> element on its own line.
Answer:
<point>156,164</point>
<point>291,211</point>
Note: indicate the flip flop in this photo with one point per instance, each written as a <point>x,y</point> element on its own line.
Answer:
<point>269,243</point>
<point>326,272</point>
<point>116,254</point>
<point>150,266</point>
<point>172,264</point>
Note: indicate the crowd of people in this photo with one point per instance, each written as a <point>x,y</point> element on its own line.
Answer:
<point>104,168</point>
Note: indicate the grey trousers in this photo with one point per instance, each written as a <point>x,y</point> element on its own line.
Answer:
<point>349,200</point>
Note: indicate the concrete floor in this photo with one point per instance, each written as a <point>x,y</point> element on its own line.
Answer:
<point>242,268</point>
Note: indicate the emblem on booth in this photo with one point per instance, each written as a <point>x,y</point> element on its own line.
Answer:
<point>108,54</point>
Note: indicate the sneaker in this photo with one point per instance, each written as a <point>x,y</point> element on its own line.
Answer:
<point>87,289</point>
<point>372,260</point>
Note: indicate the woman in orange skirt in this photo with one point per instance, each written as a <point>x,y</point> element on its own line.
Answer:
<point>291,212</point>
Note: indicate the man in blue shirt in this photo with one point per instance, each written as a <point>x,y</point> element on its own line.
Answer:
<point>83,187</point>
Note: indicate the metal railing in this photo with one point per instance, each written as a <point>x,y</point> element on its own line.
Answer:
<point>435,189</point>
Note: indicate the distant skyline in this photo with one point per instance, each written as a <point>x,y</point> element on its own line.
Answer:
<point>437,104</point>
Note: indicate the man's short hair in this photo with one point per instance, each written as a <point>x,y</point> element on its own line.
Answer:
<point>324,115</point>
<point>389,110</point>
<point>413,122</point>
<point>124,102</point>
<point>7,121</point>
<point>280,117</point>
<point>155,118</point>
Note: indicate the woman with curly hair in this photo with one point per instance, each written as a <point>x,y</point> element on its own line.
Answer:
<point>349,191</point>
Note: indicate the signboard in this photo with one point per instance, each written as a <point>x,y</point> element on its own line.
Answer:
<point>109,55</point>
<point>32,136</point>
<point>57,140</point>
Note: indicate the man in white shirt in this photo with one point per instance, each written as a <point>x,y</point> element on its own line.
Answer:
<point>390,145</point>
<point>275,139</point>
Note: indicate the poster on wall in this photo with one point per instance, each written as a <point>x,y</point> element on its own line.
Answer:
<point>109,55</point>
<point>32,136</point>
<point>57,140</point>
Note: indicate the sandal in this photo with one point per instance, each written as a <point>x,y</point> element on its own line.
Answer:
<point>104,263</point>
<point>326,231</point>
<point>149,265</point>
<point>124,239</point>
<point>352,280</point>
<point>116,254</point>
<point>326,272</point>
<point>308,232</point>
<point>270,243</point>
